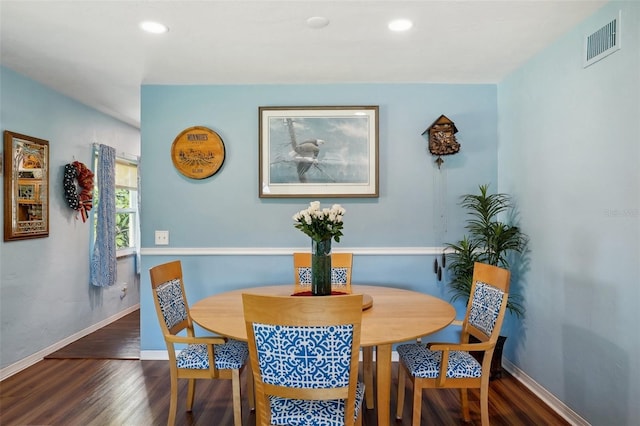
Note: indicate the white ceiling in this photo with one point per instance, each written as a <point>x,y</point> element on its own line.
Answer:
<point>94,52</point>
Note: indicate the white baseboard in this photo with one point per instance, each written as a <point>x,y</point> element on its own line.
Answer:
<point>39,356</point>
<point>154,356</point>
<point>550,399</point>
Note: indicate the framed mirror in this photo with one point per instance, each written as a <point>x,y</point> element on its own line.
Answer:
<point>26,187</point>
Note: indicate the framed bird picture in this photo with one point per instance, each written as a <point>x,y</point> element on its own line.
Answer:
<point>328,151</point>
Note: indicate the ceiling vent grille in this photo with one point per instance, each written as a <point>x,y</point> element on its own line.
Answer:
<point>603,42</point>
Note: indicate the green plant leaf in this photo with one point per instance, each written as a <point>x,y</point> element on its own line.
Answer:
<point>488,241</point>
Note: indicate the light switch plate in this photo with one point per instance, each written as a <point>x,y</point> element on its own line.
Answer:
<point>162,238</point>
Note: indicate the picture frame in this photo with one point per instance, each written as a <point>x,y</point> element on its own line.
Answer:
<point>318,151</point>
<point>26,187</point>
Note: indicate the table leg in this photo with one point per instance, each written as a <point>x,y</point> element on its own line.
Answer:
<point>367,362</point>
<point>383,380</point>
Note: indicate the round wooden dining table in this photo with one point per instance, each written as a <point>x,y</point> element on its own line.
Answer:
<point>390,315</point>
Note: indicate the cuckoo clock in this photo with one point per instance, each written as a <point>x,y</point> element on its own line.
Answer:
<point>442,140</point>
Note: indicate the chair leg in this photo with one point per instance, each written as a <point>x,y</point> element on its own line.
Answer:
<point>484,399</point>
<point>237,402</point>
<point>191,391</point>
<point>251,396</point>
<point>417,403</point>
<point>263,408</point>
<point>401,379</point>
<point>464,402</point>
<point>173,402</point>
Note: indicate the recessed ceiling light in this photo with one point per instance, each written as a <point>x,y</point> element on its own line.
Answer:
<point>317,22</point>
<point>400,25</point>
<point>153,27</point>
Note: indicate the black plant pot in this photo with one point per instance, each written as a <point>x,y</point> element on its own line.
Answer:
<point>496,360</point>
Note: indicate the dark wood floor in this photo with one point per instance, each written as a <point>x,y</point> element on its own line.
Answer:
<point>74,390</point>
<point>118,340</point>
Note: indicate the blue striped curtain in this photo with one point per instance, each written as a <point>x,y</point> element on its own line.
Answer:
<point>103,259</point>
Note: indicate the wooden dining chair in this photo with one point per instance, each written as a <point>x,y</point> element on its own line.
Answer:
<point>451,365</point>
<point>304,353</point>
<point>341,265</point>
<point>202,357</point>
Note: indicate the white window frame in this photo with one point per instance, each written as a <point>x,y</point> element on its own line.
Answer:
<point>134,211</point>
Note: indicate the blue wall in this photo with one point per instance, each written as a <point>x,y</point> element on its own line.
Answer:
<point>570,152</point>
<point>223,214</point>
<point>45,296</point>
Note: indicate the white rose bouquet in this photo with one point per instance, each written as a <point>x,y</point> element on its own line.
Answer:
<point>320,224</point>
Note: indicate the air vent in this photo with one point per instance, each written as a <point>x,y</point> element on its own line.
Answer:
<point>603,42</point>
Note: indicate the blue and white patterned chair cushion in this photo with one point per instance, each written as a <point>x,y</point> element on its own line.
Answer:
<point>306,357</point>
<point>171,302</point>
<point>231,355</point>
<point>425,363</point>
<point>298,412</point>
<point>485,307</point>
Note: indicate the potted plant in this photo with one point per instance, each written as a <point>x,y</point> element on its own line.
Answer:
<point>489,240</point>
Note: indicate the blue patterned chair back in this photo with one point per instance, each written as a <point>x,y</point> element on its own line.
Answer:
<point>485,307</point>
<point>341,266</point>
<point>304,357</point>
<point>171,301</point>
<point>338,276</point>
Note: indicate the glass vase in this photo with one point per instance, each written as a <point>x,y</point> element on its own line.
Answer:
<point>321,267</point>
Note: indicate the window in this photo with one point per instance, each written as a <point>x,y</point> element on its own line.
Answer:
<point>126,205</point>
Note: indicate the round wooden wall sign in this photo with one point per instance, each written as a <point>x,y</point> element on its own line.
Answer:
<point>198,152</point>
